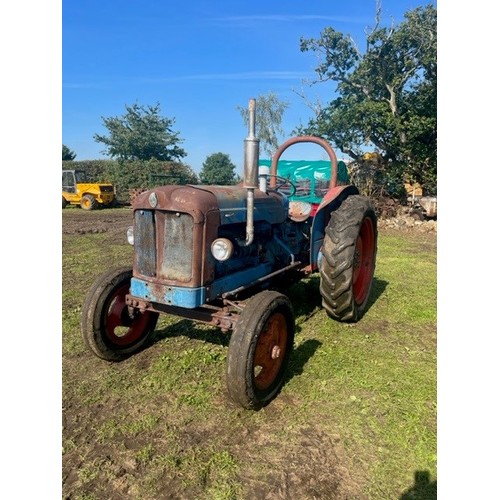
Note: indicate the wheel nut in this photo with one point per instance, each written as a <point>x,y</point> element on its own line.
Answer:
<point>275,353</point>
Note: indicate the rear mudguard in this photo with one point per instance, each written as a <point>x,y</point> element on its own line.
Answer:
<point>330,202</point>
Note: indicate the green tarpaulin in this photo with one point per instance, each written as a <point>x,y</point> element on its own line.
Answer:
<point>310,177</point>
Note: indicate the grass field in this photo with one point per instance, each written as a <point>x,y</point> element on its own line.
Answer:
<point>356,417</point>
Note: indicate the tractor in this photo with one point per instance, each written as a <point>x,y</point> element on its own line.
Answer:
<point>77,190</point>
<point>221,255</point>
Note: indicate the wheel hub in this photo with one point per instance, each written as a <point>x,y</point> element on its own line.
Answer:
<point>276,351</point>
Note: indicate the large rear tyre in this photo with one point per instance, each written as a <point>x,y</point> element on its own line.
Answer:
<point>259,349</point>
<point>108,329</point>
<point>88,202</point>
<point>64,202</point>
<point>348,257</point>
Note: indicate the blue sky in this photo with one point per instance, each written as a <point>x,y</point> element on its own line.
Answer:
<point>199,61</point>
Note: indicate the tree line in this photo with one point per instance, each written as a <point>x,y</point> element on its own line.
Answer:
<point>382,114</point>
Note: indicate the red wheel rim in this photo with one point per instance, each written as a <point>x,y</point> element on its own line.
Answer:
<point>363,260</point>
<point>270,351</point>
<point>120,328</point>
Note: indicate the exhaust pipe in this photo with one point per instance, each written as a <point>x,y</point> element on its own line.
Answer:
<point>250,170</point>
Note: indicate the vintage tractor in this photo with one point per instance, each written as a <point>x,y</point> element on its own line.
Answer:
<point>221,254</point>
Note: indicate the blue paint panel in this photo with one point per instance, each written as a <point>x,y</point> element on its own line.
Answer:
<point>237,279</point>
<point>232,203</point>
<point>189,298</point>
<point>233,215</point>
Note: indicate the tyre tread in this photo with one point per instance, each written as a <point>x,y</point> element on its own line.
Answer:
<point>336,267</point>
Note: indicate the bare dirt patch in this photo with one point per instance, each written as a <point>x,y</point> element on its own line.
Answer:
<point>78,221</point>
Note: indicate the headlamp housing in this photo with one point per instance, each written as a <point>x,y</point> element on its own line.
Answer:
<point>222,249</point>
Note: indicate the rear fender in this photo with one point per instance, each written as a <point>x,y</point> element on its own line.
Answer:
<point>330,202</point>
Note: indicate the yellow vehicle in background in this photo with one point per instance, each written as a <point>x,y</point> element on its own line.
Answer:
<point>76,190</point>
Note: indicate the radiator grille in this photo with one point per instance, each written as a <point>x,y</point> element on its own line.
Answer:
<point>178,247</point>
<point>145,242</point>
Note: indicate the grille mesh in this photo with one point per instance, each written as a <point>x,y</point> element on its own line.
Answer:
<point>178,247</point>
<point>145,242</point>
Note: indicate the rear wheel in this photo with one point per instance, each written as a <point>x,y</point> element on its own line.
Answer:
<point>108,328</point>
<point>348,259</point>
<point>89,202</point>
<point>259,349</point>
<point>64,202</point>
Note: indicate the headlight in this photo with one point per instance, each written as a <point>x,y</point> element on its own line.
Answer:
<point>130,234</point>
<point>222,249</point>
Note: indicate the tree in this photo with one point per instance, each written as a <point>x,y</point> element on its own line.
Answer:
<point>141,134</point>
<point>268,117</point>
<point>143,174</point>
<point>385,97</point>
<point>218,170</point>
<point>67,154</point>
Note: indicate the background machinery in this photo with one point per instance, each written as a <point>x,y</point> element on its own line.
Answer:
<point>76,190</point>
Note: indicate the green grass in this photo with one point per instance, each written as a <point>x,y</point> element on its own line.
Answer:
<point>359,402</point>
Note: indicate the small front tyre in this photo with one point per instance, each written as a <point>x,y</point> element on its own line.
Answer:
<point>108,328</point>
<point>259,349</point>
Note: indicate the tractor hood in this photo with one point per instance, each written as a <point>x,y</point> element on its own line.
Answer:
<point>229,201</point>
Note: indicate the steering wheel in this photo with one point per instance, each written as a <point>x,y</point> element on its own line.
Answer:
<point>281,182</point>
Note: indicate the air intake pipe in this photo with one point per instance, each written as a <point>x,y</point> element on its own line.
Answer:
<point>250,170</point>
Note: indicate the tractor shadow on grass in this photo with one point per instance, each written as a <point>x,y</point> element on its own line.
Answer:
<point>299,358</point>
<point>297,294</point>
<point>306,301</point>
<point>306,297</point>
<point>192,330</point>
<point>378,288</point>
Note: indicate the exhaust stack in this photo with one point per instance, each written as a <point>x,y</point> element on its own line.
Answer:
<point>250,169</point>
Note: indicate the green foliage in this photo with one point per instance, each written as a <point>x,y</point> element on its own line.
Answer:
<point>376,178</point>
<point>268,117</point>
<point>126,175</point>
<point>96,170</point>
<point>219,170</point>
<point>67,154</point>
<point>141,134</point>
<point>385,97</point>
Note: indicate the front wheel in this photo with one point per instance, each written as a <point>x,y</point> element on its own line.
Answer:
<point>259,349</point>
<point>108,328</point>
<point>88,202</point>
<point>347,262</point>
